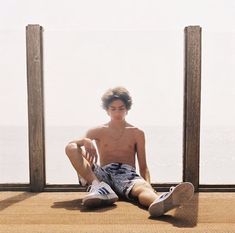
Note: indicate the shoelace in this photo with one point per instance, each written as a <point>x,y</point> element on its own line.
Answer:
<point>167,193</point>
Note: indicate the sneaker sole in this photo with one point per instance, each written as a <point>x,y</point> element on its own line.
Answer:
<point>181,194</point>
<point>96,202</point>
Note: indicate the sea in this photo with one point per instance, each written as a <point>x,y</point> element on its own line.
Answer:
<point>163,151</point>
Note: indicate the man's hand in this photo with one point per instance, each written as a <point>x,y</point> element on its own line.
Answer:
<point>90,151</point>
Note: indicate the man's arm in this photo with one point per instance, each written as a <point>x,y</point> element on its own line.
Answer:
<point>141,155</point>
<point>86,142</point>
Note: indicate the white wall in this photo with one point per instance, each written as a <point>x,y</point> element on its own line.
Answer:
<point>115,42</point>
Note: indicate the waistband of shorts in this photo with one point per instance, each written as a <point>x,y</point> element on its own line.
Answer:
<point>121,165</point>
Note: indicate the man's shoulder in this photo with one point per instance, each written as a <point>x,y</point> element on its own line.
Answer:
<point>135,129</point>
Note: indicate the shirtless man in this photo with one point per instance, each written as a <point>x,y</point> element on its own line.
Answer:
<point>119,144</point>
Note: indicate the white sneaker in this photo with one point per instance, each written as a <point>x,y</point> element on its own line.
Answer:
<point>174,198</point>
<point>99,195</point>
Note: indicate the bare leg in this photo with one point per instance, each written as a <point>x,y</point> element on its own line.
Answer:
<point>80,164</point>
<point>145,193</point>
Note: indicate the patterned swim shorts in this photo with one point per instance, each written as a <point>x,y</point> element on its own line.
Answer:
<point>121,177</point>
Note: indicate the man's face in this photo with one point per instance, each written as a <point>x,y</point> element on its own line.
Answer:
<point>117,110</point>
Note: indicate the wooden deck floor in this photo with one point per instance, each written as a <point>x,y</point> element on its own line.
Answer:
<point>58,212</point>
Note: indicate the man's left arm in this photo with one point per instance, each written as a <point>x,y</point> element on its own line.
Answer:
<point>141,155</point>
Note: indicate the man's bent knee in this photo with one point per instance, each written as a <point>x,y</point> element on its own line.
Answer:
<point>71,148</point>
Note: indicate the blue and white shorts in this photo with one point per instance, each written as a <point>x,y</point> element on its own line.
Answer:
<point>120,177</point>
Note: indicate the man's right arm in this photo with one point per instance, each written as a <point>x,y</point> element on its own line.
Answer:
<point>89,153</point>
<point>80,142</point>
<point>87,140</point>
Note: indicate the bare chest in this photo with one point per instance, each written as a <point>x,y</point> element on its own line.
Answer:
<point>117,141</point>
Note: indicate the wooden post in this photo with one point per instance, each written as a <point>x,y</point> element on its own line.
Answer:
<point>35,107</point>
<point>192,100</point>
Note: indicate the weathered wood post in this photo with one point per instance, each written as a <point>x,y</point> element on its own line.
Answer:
<point>192,102</point>
<point>35,107</point>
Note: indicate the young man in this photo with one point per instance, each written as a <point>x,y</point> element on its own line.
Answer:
<point>119,144</point>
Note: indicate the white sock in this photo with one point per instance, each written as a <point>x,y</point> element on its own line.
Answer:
<point>95,182</point>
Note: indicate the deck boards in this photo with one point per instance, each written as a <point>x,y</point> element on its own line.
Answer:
<point>63,212</point>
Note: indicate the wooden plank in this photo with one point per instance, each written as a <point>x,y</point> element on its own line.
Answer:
<point>14,187</point>
<point>192,100</point>
<point>35,107</point>
<point>217,188</point>
<point>158,187</point>
<point>77,188</point>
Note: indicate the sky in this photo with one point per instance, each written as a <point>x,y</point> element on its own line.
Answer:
<point>90,46</point>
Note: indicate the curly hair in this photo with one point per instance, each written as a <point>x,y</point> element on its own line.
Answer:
<point>117,93</point>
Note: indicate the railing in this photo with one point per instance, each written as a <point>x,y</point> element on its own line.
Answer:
<point>191,130</point>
